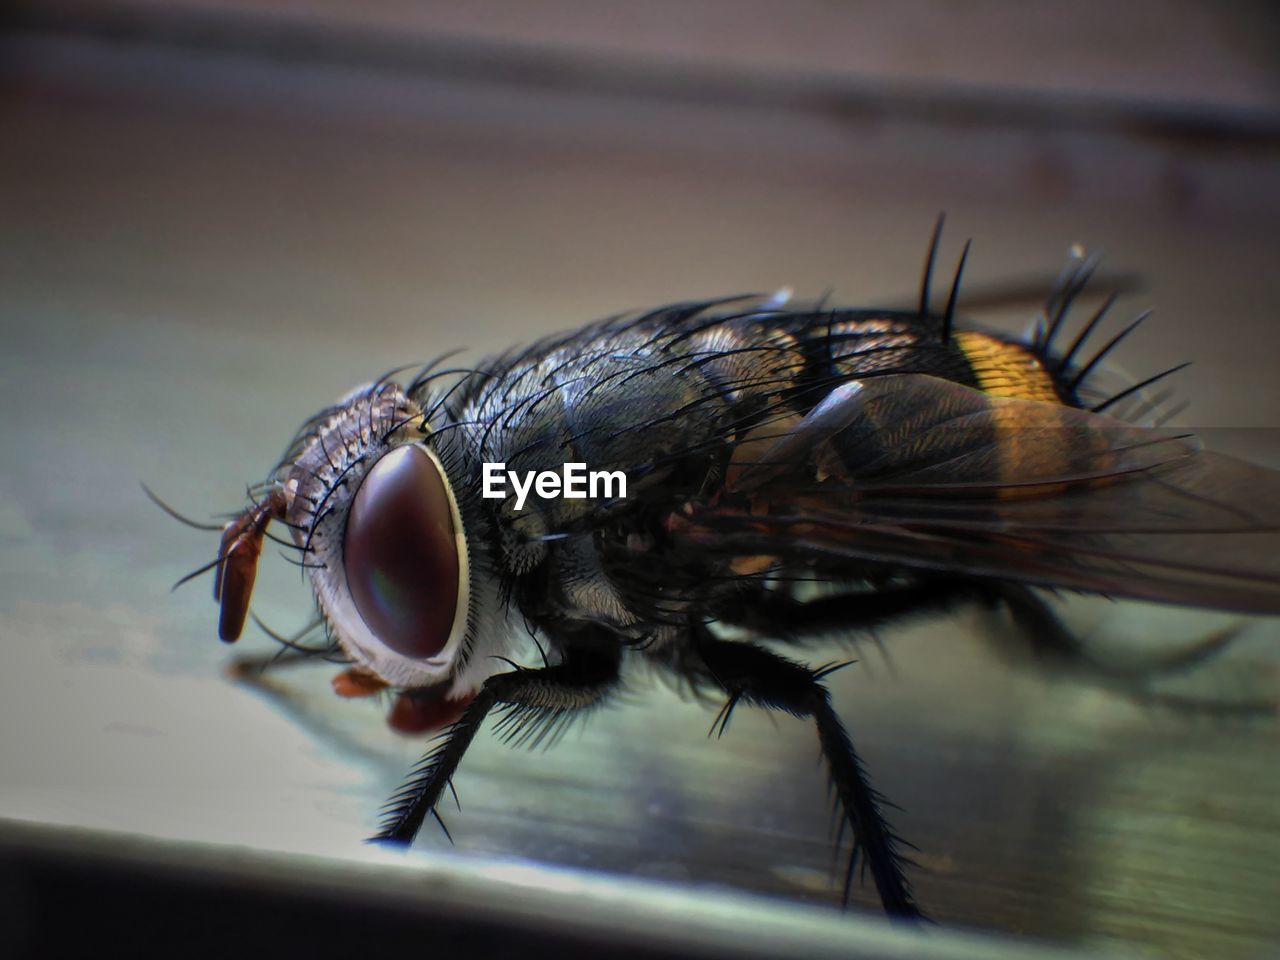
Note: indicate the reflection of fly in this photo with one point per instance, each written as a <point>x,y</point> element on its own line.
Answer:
<point>910,462</point>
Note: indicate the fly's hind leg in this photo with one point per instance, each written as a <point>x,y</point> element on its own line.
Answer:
<point>1054,644</point>
<point>779,616</point>
<point>1051,639</point>
<point>752,675</point>
<point>535,704</point>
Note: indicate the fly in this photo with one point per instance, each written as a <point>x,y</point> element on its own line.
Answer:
<point>909,460</point>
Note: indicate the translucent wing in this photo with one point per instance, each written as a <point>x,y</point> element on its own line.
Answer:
<point>919,472</point>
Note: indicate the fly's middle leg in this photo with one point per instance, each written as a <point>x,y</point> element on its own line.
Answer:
<point>755,676</point>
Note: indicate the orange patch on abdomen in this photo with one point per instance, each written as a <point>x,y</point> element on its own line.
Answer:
<point>1006,369</point>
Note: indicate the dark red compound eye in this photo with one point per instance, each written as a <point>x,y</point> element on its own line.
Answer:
<point>401,554</point>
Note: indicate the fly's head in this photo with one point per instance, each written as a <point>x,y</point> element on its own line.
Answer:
<point>368,501</point>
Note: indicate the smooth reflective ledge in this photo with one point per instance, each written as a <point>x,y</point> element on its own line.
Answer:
<point>134,891</point>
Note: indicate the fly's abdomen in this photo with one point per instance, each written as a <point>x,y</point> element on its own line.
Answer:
<point>853,345</point>
<point>901,425</point>
<point>1005,369</point>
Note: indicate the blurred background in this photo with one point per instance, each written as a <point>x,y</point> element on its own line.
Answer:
<point>218,217</point>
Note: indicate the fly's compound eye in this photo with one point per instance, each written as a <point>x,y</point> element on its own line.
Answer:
<point>404,560</point>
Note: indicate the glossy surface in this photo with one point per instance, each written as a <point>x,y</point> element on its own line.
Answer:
<point>401,554</point>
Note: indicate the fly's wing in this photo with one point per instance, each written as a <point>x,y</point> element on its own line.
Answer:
<point>920,472</point>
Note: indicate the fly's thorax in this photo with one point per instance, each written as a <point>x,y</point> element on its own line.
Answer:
<point>747,360</point>
<point>377,512</point>
<point>616,403</point>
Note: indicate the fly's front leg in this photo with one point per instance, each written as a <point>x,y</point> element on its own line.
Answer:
<point>750,674</point>
<point>537,702</point>
<point>252,667</point>
<point>293,650</point>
